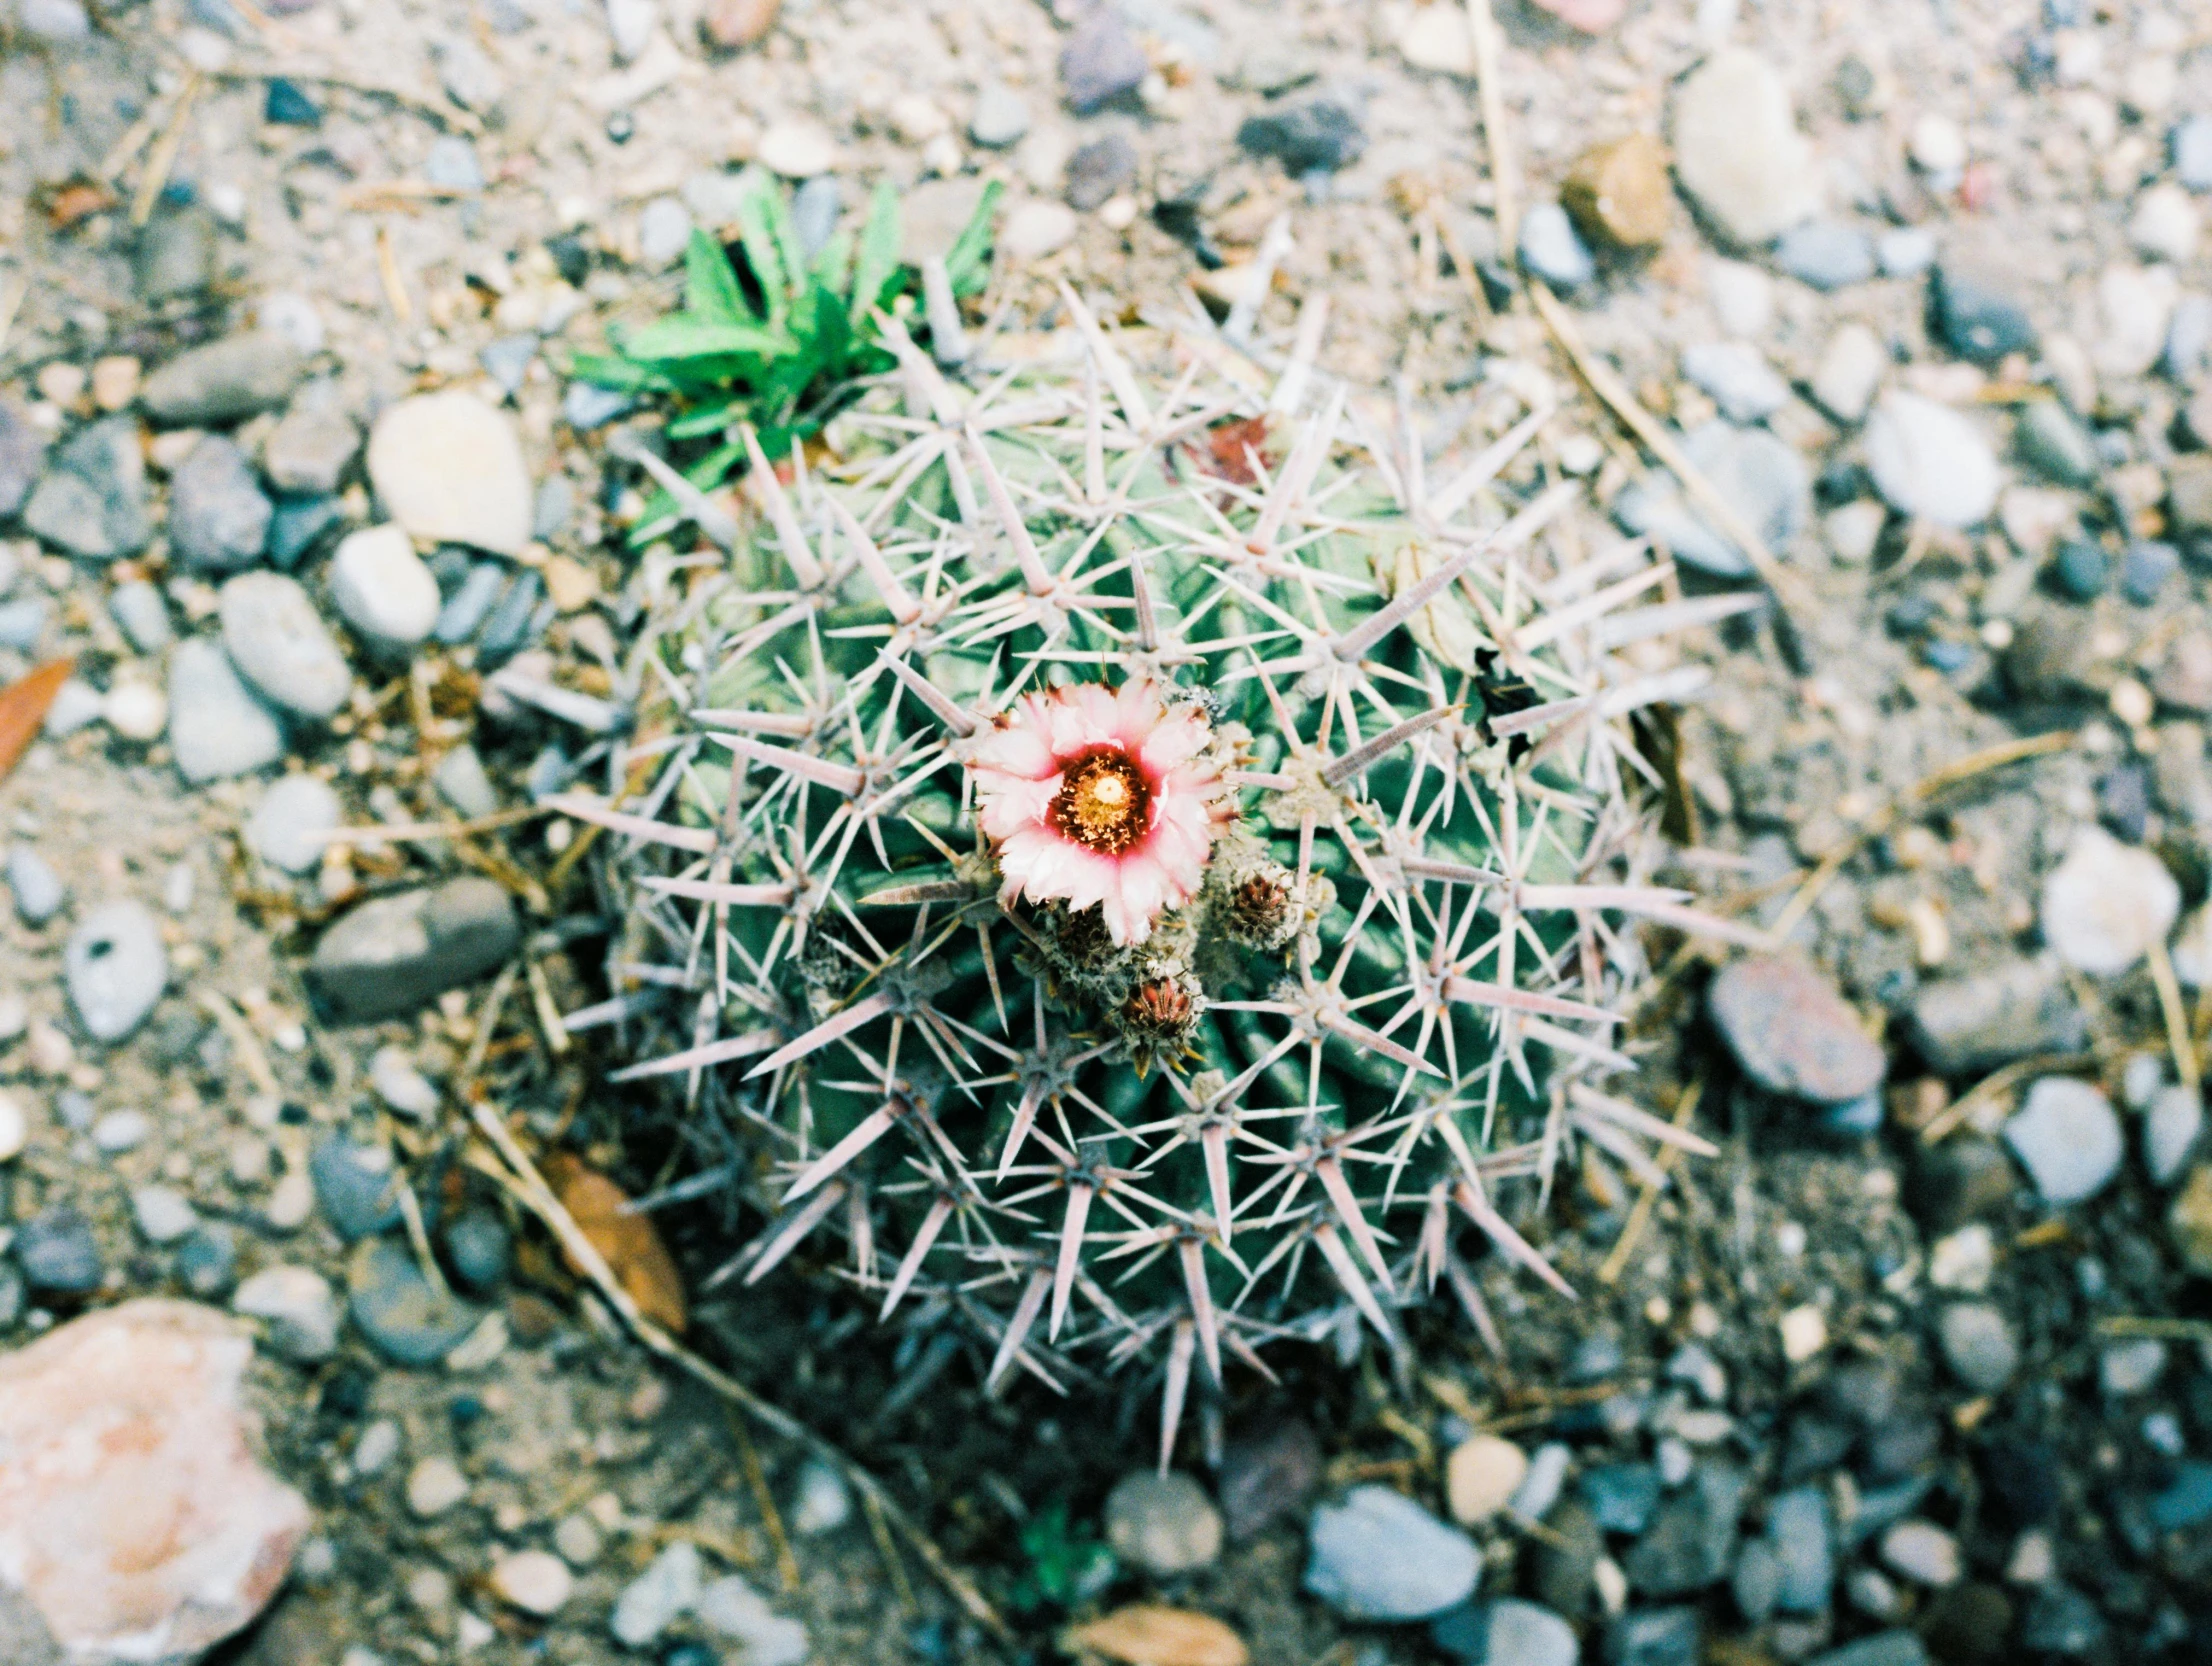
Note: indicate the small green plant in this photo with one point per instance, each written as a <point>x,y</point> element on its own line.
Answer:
<point>770,338</point>
<point>1065,1564</point>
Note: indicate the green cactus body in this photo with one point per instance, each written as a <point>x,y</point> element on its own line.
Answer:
<point>1288,1089</point>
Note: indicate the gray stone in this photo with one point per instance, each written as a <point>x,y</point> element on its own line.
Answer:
<point>1320,134</point>
<point>1756,1583</point>
<point>384,590</point>
<point>226,381</point>
<point>281,646</point>
<point>465,610</point>
<point>1978,1345</point>
<point>1884,1648</point>
<point>2013,1007</point>
<point>1850,371</point>
<point>2130,1367</point>
<point>289,824</point>
<point>58,1253</point>
<point>477,1249</point>
<point>1100,61</point>
<point>217,728</point>
<point>23,623</point>
<point>116,967</point>
<point>663,228</point>
<point>408,1320</point>
<point>401,1086</point>
<point>393,953</point>
<point>298,526</point>
<point>659,1596</point>
<point>1793,1033</point>
<point>2067,1136</point>
<point>586,406</point>
<point>2192,152</point>
<point>176,255</point>
<point>2060,1620</point>
<point>1905,252</point>
<point>1509,1632</point>
<point>1377,1555</point>
<point>1553,250</point>
<point>1737,150</point>
<point>520,617</point>
<point>91,501</point>
<point>1654,1637</point>
<point>38,889</point>
<point>57,21</point>
<point>22,455</point>
<point>121,1131</point>
<point>298,1306</point>
<point>207,1260</point>
<point>355,1186</point>
<point>732,1610</point>
<point>1000,117</point>
<point>2186,1501</point>
<point>218,515</point>
<point>1099,169</point>
<point>2170,1130</point>
<point>1737,376</point>
<point>1976,314</point>
<point>451,163</point>
<point>507,361</point>
<point>307,451</point>
<point>1929,461</point>
<point>2052,443</point>
<point>1763,479</point>
<point>1804,1551</point>
<point>1164,1524</point>
<point>1692,1542</point>
<point>1826,254</point>
<point>822,1500</point>
<point>2189,340</point>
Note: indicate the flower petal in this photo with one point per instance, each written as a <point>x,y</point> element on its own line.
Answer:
<point>1018,746</point>
<point>1177,738</point>
<point>1006,804</point>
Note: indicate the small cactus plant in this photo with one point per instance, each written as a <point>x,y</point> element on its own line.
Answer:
<point>1145,865</point>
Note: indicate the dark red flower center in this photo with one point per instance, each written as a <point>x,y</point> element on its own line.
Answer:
<point>1103,803</point>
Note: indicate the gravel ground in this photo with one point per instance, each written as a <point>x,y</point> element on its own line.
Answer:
<point>1920,1367</point>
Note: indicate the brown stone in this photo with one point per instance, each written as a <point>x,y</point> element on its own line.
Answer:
<point>135,1518</point>
<point>1150,1635</point>
<point>1792,1033</point>
<point>1619,194</point>
<point>735,24</point>
<point>630,1243</point>
<point>1267,1476</point>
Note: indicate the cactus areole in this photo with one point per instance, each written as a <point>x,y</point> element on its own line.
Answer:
<point>1137,868</point>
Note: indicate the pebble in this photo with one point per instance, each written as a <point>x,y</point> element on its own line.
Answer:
<point>2127,1368</point>
<point>1737,150</point>
<point>449,469</point>
<point>410,1322</point>
<point>1377,1555</point>
<point>1851,368</point>
<point>659,1596</point>
<point>22,455</point>
<point>1320,134</point>
<point>1742,296</point>
<point>1764,478</point>
<point>2185,1502</point>
<point>434,1486</point>
<point>1100,61</point>
<point>1622,1496</point>
<point>1035,229</point>
<point>162,1214</point>
<point>823,1502</point>
<point>796,149</point>
<point>281,646</point>
<point>1692,1540</point>
<point>1164,1524</point>
<point>1620,194</point>
<point>1540,1487</point>
<point>1481,1476</point>
<point>15,1128</point>
<point>1923,1553</point>
<point>514,623</point>
<point>2146,568</point>
<point>309,449</point>
<point>1792,1033</point>
<point>464,611</point>
<point>378,1446</point>
<point>1099,169</point>
<point>1553,250</point>
<point>1827,254</point>
<point>383,589</point>
<point>298,1306</point>
<point>1929,461</point>
<point>116,967</point>
<point>176,254</point>
<point>121,1131</point>
<point>1267,1477</point>
<point>77,704</point>
<point>2189,343</point>
<point>476,1248</point>
<point>38,890</point>
<point>207,1260</point>
<point>2067,1136</point>
<point>1905,252</point>
<point>507,361</point>
<point>2081,570</point>
<point>535,1581</point>
<point>134,1516</point>
<point>1737,376</point>
<point>2170,1130</point>
<point>2135,305</point>
<point>2191,146</point>
<point>135,709</point>
<point>23,623</point>
<point>663,229</point>
<point>59,21</point>
<point>1000,118</point>
<point>1508,1632</point>
<point>1654,1637</point>
<point>2052,443</point>
<point>285,105</point>
<point>1798,1533</point>
<point>298,525</point>
<point>58,1252</point>
<point>217,729</point>
<point>2011,1008</point>
<point>732,1610</point>
<point>401,1086</point>
<point>2107,903</point>
<point>1884,1648</point>
<point>288,825</point>
<point>91,501</point>
<point>2165,224</point>
<point>735,24</point>
<point>578,1540</point>
<point>355,1186</point>
<point>1978,1345</point>
<point>2061,1621</point>
<point>461,778</point>
<point>1977,315</point>
<point>218,515</point>
<point>224,382</point>
<point>1964,1260</point>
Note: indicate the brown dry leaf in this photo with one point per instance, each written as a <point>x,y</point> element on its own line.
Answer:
<point>631,1244</point>
<point>23,706</point>
<point>1148,1635</point>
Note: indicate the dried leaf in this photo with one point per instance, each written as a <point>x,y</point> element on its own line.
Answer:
<point>631,1244</point>
<point>23,706</point>
<point>1148,1635</point>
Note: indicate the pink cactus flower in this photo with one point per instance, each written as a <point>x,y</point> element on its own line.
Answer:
<point>1094,796</point>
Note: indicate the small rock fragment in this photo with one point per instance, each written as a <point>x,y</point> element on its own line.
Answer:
<point>1481,1476</point>
<point>2067,1136</point>
<point>299,1308</point>
<point>1149,1635</point>
<point>1737,150</point>
<point>217,728</point>
<point>392,953</point>
<point>281,646</point>
<point>91,501</point>
<point>116,967</point>
<point>449,468</point>
<point>1978,1344</point>
<point>1619,194</point>
<point>224,382</point>
<point>1377,1555</point>
<point>1928,460</point>
<point>1100,61</point>
<point>2107,903</point>
<point>1792,1033</point>
<point>659,1596</point>
<point>288,825</point>
<point>1164,1524</point>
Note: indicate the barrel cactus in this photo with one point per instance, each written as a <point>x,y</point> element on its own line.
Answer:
<point>1140,866</point>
